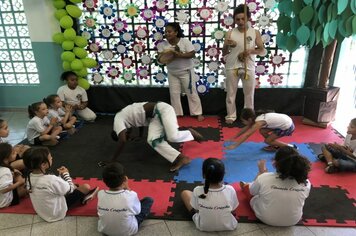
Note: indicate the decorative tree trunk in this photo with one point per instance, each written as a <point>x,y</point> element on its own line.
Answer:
<point>328,58</point>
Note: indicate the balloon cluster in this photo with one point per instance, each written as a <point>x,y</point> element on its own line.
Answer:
<point>74,56</point>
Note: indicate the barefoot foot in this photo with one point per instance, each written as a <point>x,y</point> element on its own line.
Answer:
<point>197,136</point>
<point>200,118</point>
<point>179,162</point>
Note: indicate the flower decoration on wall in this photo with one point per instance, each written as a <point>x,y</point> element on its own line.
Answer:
<point>97,78</point>
<point>266,36</point>
<point>148,13</point>
<point>94,47</point>
<point>261,68</point>
<point>157,36</point>
<point>90,5</point>
<point>142,72</point>
<point>227,21</point>
<point>146,59</point>
<point>127,61</point>
<point>138,47</point>
<point>90,22</point>
<point>197,62</point>
<point>265,20</point>
<point>183,3</point>
<point>205,13</point>
<point>213,65</point>
<point>107,54</point>
<point>182,16</point>
<point>212,51</point>
<point>202,87</point>
<point>107,11</point>
<point>160,77</point>
<point>98,67</point>
<point>126,37</point>
<point>265,55</point>
<point>127,76</point>
<point>197,28</point>
<point>198,46</point>
<point>160,5</point>
<point>105,32</point>
<point>113,72</point>
<point>275,79</point>
<point>119,25</point>
<point>132,10</point>
<point>211,78</point>
<point>141,32</point>
<point>86,33</point>
<point>218,34</point>
<point>277,60</point>
<point>120,48</point>
<point>253,6</point>
<point>258,83</point>
<point>160,22</point>
<point>222,6</point>
<point>156,62</point>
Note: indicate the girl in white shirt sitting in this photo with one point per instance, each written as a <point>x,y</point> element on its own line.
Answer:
<point>213,204</point>
<point>51,195</point>
<point>11,180</point>
<point>63,114</point>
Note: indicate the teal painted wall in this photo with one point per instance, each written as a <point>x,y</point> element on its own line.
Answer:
<point>49,65</point>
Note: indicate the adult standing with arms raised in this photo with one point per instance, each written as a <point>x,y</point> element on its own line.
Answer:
<point>240,47</point>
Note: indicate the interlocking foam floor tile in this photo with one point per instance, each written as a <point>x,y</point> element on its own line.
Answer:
<point>191,173</point>
<point>244,211</point>
<point>204,149</point>
<point>209,121</point>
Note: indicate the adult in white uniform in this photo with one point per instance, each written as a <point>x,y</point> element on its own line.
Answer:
<point>236,57</point>
<point>162,125</point>
<point>181,71</point>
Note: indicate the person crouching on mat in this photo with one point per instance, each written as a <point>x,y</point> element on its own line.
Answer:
<point>162,125</point>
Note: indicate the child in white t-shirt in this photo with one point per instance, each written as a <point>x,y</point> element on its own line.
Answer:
<point>41,130</point>
<point>51,195</point>
<point>279,197</point>
<point>213,204</point>
<point>119,209</point>
<point>271,126</point>
<point>11,180</point>
<point>63,114</point>
<point>75,96</point>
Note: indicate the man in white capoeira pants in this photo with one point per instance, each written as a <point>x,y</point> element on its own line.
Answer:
<point>162,126</point>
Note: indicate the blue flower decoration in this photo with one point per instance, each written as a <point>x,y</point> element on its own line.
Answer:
<point>126,37</point>
<point>211,78</point>
<point>86,33</point>
<point>202,87</point>
<point>160,22</point>
<point>120,48</point>
<point>267,37</point>
<point>98,67</point>
<point>107,11</point>
<point>198,46</point>
<point>105,32</point>
<point>160,77</point>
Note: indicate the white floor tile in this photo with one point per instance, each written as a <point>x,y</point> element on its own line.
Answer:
<point>185,228</point>
<point>242,228</point>
<point>287,231</point>
<point>18,231</point>
<point>159,229</point>
<point>15,220</point>
<point>66,227</point>
<point>333,231</point>
<point>87,226</point>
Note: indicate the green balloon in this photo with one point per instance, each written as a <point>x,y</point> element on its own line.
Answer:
<point>59,4</point>
<point>83,83</point>
<point>68,45</point>
<point>80,41</point>
<point>66,22</point>
<point>66,66</point>
<point>58,38</point>
<point>60,13</point>
<point>80,52</point>
<point>76,1</point>
<point>83,72</point>
<point>73,11</point>
<point>67,56</point>
<point>69,34</point>
<point>76,64</point>
<point>89,62</point>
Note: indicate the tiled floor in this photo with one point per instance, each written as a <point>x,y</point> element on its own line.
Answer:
<point>21,224</point>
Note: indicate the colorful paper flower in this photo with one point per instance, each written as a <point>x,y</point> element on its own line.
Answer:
<point>126,37</point>
<point>107,54</point>
<point>138,47</point>
<point>97,78</point>
<point>275,79</point>
<point>157,36</point>
<point>197,28</point>
<point>141,32</point>
<point>261,68</point>
<point>131,10</point>
<point>93,47</point>
<point>160,22</point>
<point>148,13</point>
<point>127,76</point>
<point>202,87</point>
<point>277,60</point>
<point>213,51</point>
<point>213,65</point>
<point>205,13</point>
<point>105,32</point>
<point>86,33</point>
<point>182,16</point>
<point>264,21</point>
<point>198,46</point>
<point>266,36</point>
<point>98,67</point>
<point>113,72</point>
<point>197,62</point>
<point>211,78</point>
<point>160,77</point>
<point>183,3</point>
<point>90,5</point>
<point>218,34</point>
<point>120,48</point>
<point>253,6</point>
<point>227,21</point>
<point>107,11</point>
<point>127,61</point>
<point>160,5</point>
<point>119,25</point>
<point>265,55</point>
<point>258,83</point>
<point>222,6</point>
<point>142,72</point>
<point>146,59</point>
<point>90,22</point>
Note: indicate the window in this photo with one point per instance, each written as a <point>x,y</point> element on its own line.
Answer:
<point>115,29</point>
<point>17,62</point>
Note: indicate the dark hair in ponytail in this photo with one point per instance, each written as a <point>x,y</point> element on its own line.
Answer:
<point>213,173</point>
<point>177,28</point>
<point>33,108</point>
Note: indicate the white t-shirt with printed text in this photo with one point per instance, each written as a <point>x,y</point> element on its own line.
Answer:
<point>6,179</point>
<point>72,96</point>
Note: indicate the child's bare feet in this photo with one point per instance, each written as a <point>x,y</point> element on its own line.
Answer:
<point>200,118</point>
<point>197,136</point>
<point>229,121</point>
<point>179,162</point>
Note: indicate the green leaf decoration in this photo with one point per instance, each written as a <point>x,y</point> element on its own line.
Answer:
<point>315,20</point>
<point>353,6</point>
<point>303,34</point>
<point>281,40</point>
<point>354,25</point>
<point>316,4</point>
<point>283,23</point>
<point>348,26</point>
<point>322,14</point>
<point>326,32</point>
<point>294,25</point>
<point>285,7</point>
<point>318,34</point>
<point>341,28</point>
<point>292,44</point>
<point>329,12</point>
<point>306,14</point>
<point>341,6</point>
<point>333,28</point>
<point>308,2</point>
<point>312,38</point>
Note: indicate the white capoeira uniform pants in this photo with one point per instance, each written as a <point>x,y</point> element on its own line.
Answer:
<point>248,85</point>
<point>183,81</point>
<point>164,126</point>
<point>86,114</point>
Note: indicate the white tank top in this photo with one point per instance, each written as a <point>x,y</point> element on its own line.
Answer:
<point>231,59</point>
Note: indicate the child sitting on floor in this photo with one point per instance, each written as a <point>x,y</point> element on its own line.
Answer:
<point>271,126</point>
<point>51,196</point>
<point>11,181</point>
<point>213,204</point>
<point>279,197</point>
<point>119,209</point>
<point>341,157</point>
